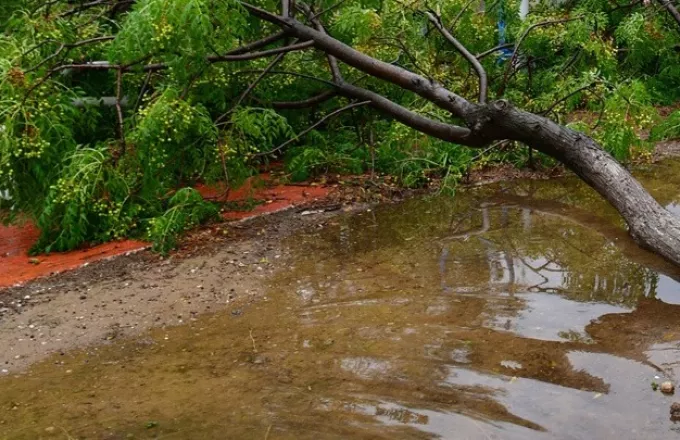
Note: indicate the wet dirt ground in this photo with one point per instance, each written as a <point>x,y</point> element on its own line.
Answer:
<point>519,310</point>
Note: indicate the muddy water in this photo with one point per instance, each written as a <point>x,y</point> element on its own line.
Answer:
<point>518,311</point>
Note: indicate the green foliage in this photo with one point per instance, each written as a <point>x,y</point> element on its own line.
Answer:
<point>180,32</point>
<point>356,24</point>
<point>89,202</point>
<point>186,209</point>
<point>668,129</point>
<point>324,153</point>
<point>71,169</point>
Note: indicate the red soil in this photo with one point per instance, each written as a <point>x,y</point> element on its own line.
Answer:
<point>17,267</point>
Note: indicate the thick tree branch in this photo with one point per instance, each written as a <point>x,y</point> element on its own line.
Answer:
<point>430,90</point>
<point>649,223</point>
<point>161,66</point>
<point>479,69</point>
<point>440,130</point>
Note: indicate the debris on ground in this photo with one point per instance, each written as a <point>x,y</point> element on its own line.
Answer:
<point>675,411</point>
<point>667,387</point>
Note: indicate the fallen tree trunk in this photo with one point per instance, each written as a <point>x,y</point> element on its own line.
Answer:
<point>650,225</point>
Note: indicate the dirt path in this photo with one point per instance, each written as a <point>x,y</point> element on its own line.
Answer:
<point>129,294</point>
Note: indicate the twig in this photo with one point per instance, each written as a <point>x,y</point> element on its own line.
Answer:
<point>494,49</point>
<point>142,91</point>
<point>671,9</point>
<point>119,109</point>
<point>561,100</point>
<point>288,72</point>
<point>303,103</point>
<point>521,40</point>
<point>479,69</point>
<point>253,340</point>
<point>330,8</point>
<point>460,15</point>
<point>312,127</point>
<point>252,85</point>
<point>67,47</point>
<point>257,44</point>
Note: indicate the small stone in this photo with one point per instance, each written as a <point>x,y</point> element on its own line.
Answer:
<point>50,429</point>
<point>675,411</point>
<point>667,387</point>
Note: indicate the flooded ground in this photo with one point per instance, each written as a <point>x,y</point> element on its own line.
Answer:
<point>515,311</point>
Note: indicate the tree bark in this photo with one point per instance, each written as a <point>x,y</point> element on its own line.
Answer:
<point>650,225</point>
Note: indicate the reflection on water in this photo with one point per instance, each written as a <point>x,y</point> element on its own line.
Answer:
<point>519,311</point>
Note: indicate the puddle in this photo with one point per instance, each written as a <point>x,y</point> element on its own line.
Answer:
<point>516,311</point>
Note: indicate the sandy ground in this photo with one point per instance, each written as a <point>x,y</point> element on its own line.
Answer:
<point>129,294</point>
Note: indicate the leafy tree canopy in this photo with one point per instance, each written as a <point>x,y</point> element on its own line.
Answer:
<point>109,107</point>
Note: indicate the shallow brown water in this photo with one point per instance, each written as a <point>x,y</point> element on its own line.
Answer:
<point>519,311</point>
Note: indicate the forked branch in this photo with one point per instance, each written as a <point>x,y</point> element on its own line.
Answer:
<point>479,69</point>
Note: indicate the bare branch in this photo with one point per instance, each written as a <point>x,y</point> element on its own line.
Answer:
<point>68,47</point>
<point>251,86</point>
<point>162,66</point>
<point>561,100</point>
<point>119,109</point>
<point>257,44</point>
<point>312,127</point>
<point>424,87</point>
<point>142,91</point>
<point>671,9</point>
<point>332,61</point>
<point>519,43</point>
<point>440,130</point>
<point>479,69</point>
<point>494,49</point>
<point>305,103</point>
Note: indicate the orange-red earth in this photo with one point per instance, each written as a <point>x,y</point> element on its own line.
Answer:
<point>17,267</point>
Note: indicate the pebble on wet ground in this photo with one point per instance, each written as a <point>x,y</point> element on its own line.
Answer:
<point>675,411</point>
<point>667,387</point>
